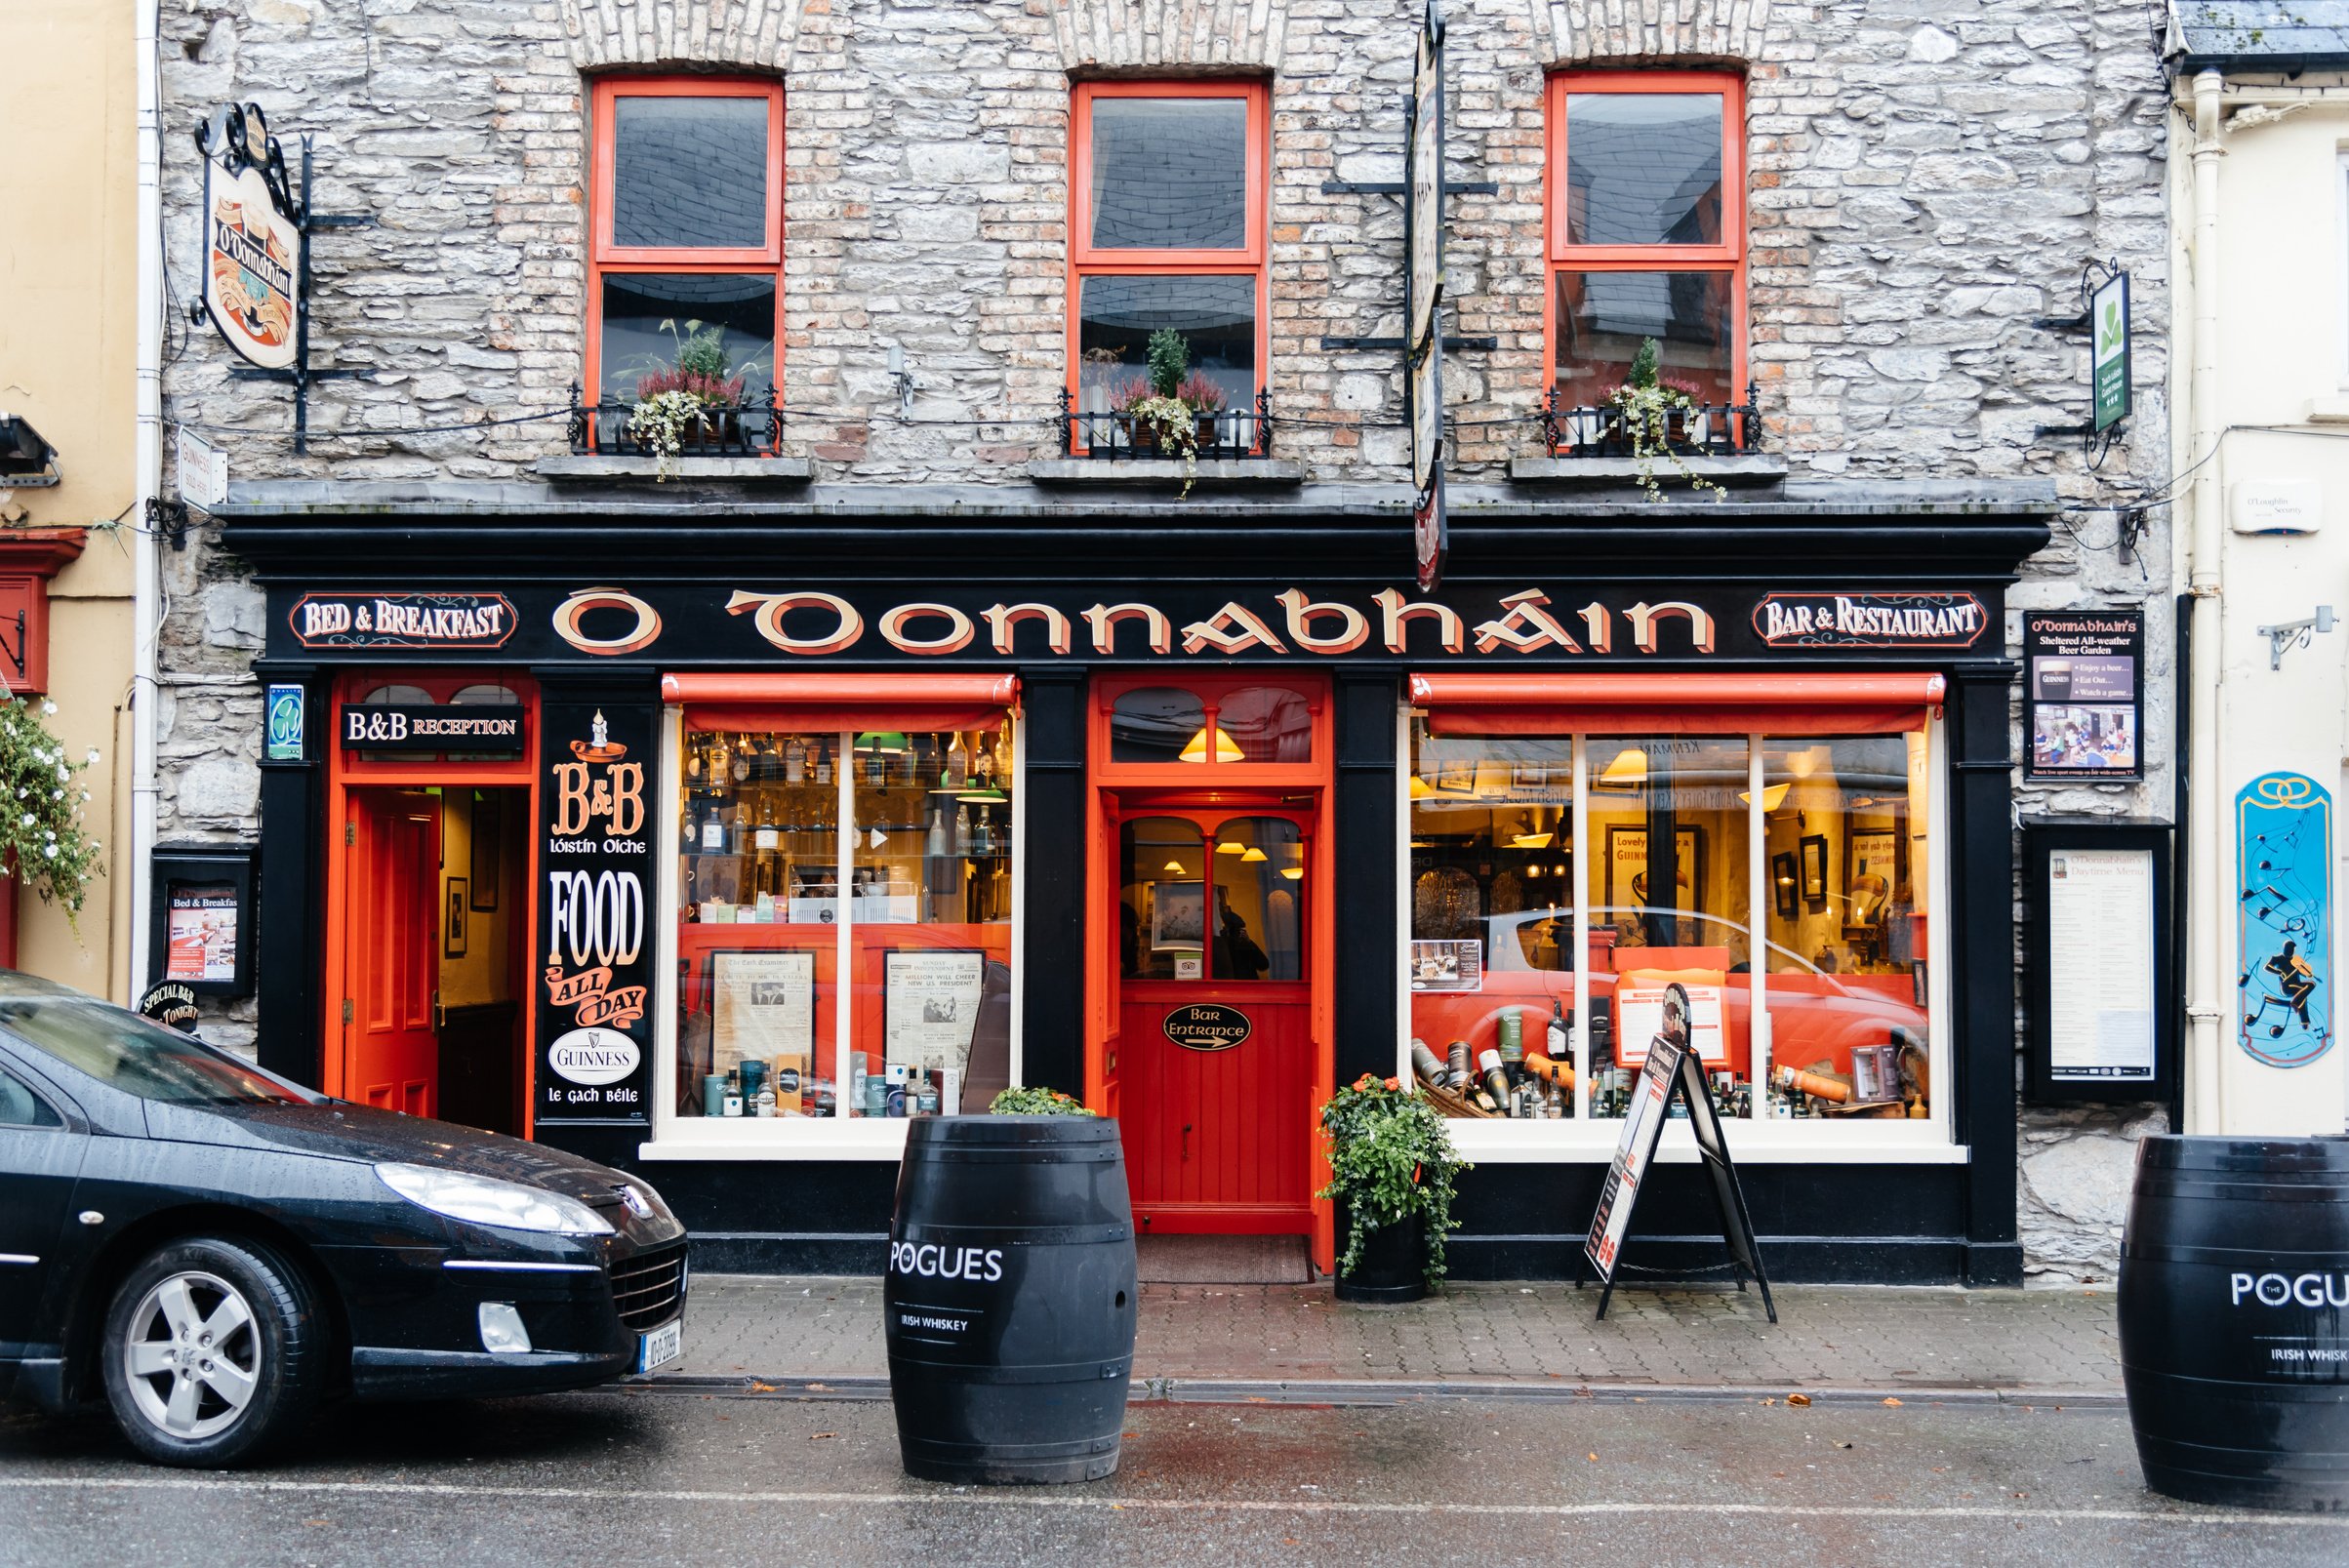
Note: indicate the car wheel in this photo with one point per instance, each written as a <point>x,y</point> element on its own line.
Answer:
<point>213,1353</point>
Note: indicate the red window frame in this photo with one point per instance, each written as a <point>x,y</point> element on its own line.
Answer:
<point>1250,259</point>
<point>604,256</point>
<point>1730,255</point>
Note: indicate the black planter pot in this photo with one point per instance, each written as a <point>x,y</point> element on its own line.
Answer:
<point>1393,1266</point>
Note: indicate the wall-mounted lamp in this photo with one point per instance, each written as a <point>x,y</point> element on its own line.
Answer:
<point>903,379</point>
<point>2294,634</point>
<point>27,462</point>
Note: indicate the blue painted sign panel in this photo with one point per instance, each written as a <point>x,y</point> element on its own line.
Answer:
<point>2284,860</point>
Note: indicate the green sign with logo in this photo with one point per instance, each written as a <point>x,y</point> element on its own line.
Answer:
<point>283,740</point>
<point>2108,373</point>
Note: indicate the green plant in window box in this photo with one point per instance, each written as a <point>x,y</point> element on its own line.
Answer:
<point>1652,408</point>
<point>1391,1164</point>
<point>698,393</point>
<point>1036,1100</point>
<point>1166,413</point>
<point>41,833</point>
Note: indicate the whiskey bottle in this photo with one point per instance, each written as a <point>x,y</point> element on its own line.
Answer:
<point>822,762</point>
<point>795,761</point>
<point>713,831</point>
<point>1558,1049</point>
<point>1494,1079</point>
<point>957,762</point>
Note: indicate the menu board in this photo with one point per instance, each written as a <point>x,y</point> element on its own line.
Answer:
<point>2100,965</point>
<point>2086,675</point>
<point>200,932</point>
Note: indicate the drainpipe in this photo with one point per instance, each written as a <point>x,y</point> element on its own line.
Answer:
<point>2205,845</point>
<point>147,479</point>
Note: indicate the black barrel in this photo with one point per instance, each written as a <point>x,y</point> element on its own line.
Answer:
<point>2235,1319</point>
<point>1011,1299</point>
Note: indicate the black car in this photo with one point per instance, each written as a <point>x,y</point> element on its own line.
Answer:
<point>217,1250</point>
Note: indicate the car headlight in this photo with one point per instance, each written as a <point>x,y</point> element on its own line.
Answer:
<point>485,1200</point>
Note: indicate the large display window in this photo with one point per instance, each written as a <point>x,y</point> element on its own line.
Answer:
<point>842,917</point>
<point>1560,884</point>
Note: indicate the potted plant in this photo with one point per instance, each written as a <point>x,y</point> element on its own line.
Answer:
<point>695,398</point>
<point>1656,416</point>
<point>1166,415</point>
<point>1392,1166</point>
<point>1036,1100</point>
<point>44,843</point>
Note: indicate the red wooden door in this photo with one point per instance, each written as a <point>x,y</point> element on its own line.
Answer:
<point>390,1041</point>
<point>1214,1019</point>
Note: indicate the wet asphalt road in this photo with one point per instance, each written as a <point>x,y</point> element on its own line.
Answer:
<point>645,1477</point>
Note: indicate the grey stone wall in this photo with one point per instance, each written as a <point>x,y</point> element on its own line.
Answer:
<point>1926,176</point>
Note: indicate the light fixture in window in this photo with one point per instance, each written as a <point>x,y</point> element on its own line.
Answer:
<point>1420,788</point>
<point>983,795</point>
<point>1227,749</point>
<point>1525,837</point>
<point>1176,866</point>
<point>888,742</point>
<point>1773,797</point>
<point>1252,853</point>
<point>1295,873</point>
<point>1229,846</point>
<point>1627,771</point>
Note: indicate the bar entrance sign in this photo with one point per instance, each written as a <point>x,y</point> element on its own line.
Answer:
<point>1672,1070</point>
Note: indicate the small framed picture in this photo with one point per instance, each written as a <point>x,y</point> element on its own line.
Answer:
<point>452,939</point>
<point>1783,889</point>
<point>1814,869</point>
<point>1457,777</point>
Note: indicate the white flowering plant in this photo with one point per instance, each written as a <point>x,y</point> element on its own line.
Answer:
<point>41,805</point>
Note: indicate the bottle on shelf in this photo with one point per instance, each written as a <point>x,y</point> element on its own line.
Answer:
<point>795,761</point>
<point>963,830</point>
<point>713,830</point>
<point>1003,755</point>
<point>957,762</point>
<point>934,842</point>
<point>823,762</point>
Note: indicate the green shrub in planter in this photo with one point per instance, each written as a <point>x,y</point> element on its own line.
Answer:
<point>1391,1158</point>
<point>1036,1101</point>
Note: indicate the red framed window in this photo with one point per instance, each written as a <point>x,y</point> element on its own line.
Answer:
<point>685,225</point>
<point>1166,233</point>
<point>1647,235</point>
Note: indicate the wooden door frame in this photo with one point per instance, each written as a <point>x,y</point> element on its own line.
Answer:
<point>347,772</point>
<point>1116,790</point>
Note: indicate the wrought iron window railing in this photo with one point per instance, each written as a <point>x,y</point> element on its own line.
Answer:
<point>1604,430</point>
<point>754,429</point>
<point>1242,432</point>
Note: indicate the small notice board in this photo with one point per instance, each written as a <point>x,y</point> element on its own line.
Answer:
<point>1672,1068</point>
<point>2101,975</point>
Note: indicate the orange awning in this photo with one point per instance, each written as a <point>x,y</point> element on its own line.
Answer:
<point>1661,703</point>
<point>813,699</point>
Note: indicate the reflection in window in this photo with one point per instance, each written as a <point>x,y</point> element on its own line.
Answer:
<point>1602,318</point>
<point>1215,315</point>
<point>716,325</point>
<point>1643,168</point>
<point>1162,909</point>
<point>689,172</point>
<point>1155,724</point>
<point>1259,879</point>
<point>1170,173</point>
<point>1267,724</point>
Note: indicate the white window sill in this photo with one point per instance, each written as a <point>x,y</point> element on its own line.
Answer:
<point>782,1138</point>
<point>1510,1142</point>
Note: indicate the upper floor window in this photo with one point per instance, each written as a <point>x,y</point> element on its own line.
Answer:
<point>685,260</point>
<point>1647,231</point>
<point>1168,238</point>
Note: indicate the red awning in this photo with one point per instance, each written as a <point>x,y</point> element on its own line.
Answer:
<point>1660,703</point>
<point>810,699</point>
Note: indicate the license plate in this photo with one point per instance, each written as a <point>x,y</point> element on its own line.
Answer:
<point>663,1344</point>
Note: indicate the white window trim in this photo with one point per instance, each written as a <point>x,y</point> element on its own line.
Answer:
<point>796,1138</point>
<point>1762,1140</point>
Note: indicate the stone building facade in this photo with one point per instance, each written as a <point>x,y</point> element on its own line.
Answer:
<point>1926,180</point>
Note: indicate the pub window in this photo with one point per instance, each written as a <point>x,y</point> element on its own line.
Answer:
<point>1646,236</point>
<point>685,264</point>
<point>1791,909</point>
<point>1167,236</point>
<point>844,908</point>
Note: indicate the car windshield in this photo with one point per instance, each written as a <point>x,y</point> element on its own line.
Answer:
<point>133,1054</point>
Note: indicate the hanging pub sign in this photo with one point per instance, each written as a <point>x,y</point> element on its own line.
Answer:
<point>594,957</point>
<point>1423,336</point>
<point>2086,675</point>
<point>2109,361</point>
<point>252,238</point>
<point>479,729</point>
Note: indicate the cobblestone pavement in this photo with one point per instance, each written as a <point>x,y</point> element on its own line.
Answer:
<point>1828,1337</point>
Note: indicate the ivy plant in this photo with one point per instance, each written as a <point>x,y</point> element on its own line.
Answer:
<point>1648,402</point>
<point>41,830</point>
<point>1036,1100</point>
<point>1391,1157</point>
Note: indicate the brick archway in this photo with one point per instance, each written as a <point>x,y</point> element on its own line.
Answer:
<point>742,34</point>
<point>1571,33</point>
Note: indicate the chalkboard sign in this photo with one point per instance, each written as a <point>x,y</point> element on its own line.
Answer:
<point>1670,1068</point>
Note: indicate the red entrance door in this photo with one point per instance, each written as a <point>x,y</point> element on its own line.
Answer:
<point>392,1045</point>
<point>1213,1014</point>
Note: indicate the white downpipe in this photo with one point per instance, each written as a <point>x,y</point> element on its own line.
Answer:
<point>147,480</point>
<point>2204,843</point>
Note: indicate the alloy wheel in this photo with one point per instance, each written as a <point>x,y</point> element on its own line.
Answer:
<point>192,1353</point>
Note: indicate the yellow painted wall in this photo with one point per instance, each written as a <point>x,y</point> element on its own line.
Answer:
<point>482,974</point>
<point>69,266</point>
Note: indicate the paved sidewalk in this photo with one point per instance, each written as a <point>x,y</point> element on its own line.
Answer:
<point>1829,1339</point>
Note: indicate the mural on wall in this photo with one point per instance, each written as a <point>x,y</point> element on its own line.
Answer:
<point>2284,860</point>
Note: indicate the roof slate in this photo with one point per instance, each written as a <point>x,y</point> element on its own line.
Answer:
<point>2269,33</point>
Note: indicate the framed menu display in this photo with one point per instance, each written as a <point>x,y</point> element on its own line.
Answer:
<point>200,926</point>
<point>2102,999</point>
<point>931,1005</point>
<point>762,1005</point>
